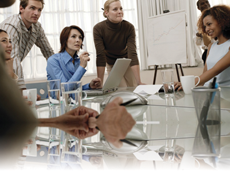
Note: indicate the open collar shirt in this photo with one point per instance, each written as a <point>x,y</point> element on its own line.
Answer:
<point>22,41</point>
<point>60,66</point>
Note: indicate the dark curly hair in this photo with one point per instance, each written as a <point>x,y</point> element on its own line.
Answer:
<point>221,14</point>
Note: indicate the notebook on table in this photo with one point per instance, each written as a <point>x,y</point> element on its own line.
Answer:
<point>114,78</point>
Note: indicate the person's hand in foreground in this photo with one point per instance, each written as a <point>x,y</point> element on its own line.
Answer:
<point>95,83</point>
<point>30,103</point>
<point>74,122</point>
<point>114,122</point>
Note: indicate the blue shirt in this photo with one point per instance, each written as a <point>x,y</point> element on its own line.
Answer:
<point>60,66</point>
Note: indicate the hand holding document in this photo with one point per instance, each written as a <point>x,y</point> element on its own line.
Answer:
<point>147,89</point>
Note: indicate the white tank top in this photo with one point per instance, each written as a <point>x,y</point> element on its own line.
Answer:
<point>216,53</point>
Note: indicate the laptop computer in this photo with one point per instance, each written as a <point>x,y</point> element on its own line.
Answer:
<point>114,78</point>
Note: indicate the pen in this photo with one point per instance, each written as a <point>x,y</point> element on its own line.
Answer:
<point>122,104</point>
<point>213,86</point>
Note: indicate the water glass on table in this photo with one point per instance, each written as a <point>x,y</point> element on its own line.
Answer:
<point>168,82</point>
<point>72,98</point>
<point>71,94</point>
<point>71,150</point>
<point>54,146</point>
<point>54,94</point>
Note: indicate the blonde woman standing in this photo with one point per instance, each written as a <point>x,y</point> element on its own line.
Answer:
<point>115,38</point>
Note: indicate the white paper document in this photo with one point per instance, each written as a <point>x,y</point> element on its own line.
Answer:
<point>156,97</point>
<point>42,102</point>
<point>147,89</point>
<point>145,155</point>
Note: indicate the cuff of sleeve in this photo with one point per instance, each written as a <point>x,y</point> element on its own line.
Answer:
<point>83,70</point>
<point>86,87</point>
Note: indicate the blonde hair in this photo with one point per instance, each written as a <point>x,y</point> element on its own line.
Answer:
<point>106,6</point>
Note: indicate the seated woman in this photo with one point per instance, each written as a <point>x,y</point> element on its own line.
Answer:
<point>67,65</point>
<point>216,22</point>
<point>5,43</point>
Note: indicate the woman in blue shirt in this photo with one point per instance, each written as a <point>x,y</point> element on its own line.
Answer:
<point>67,65</point>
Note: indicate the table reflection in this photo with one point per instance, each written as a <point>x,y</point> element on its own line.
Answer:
<point>165,137</point>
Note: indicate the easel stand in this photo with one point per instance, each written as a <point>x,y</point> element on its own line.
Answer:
<point>177,72</point>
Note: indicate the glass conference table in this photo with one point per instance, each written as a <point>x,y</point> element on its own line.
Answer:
<point>164,138</point>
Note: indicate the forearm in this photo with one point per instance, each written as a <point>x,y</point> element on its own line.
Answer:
<point>100,73</point>
<point>136,72</point>
<point>55,71</point>
<point>79,73</point>
<point>47,122</point>
<point>207,75</point>
<point>220,66</point>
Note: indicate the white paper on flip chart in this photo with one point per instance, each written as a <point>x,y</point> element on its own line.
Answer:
<point>145,155</point>
<point>147,89</point>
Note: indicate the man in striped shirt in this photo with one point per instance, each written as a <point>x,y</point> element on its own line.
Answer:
<point>25,31</point>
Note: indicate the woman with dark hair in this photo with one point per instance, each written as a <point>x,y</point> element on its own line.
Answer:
<point>5,43</point>
<point>215,22</point>
<point>67,65</point>
<point>203,40</point>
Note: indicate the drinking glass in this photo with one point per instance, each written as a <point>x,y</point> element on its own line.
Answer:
<point>54,146</point>
<point>168,83</point>
<point>54,93</point>
<point>72,98</point>
<point>71,94</point>
<point>71,150</point>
